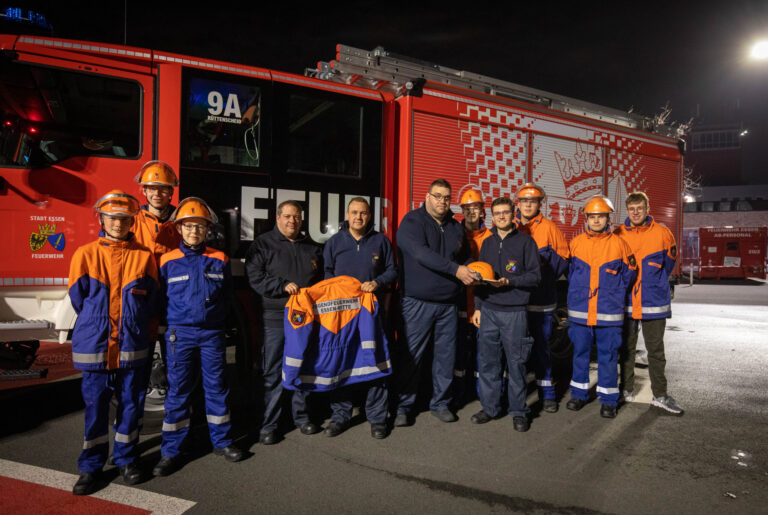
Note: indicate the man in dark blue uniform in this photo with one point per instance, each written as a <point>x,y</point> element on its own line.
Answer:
<point>501,318</point>
<point>434,249</point>
<point>279,263</point>
<point>358,250</point>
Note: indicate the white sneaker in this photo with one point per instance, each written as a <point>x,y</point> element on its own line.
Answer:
<point>667,403</point>
<point>627,396</point>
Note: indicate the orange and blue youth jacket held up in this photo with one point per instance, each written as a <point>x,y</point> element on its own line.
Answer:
<point>333,337</point>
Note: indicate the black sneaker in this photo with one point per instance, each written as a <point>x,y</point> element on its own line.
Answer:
<point>667,403</point>
<point>575,404</point>
<point>86,484</point>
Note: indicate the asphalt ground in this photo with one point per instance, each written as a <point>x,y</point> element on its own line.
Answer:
<point>713,459</point>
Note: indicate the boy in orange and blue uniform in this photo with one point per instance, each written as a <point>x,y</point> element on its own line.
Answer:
<point>650,300</point>
<point>197,290</point>
<point>553,255</point>
<point>602,270</point>
<point>113,288</point>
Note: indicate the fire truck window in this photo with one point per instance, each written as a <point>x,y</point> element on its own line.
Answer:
<point>732,245</point>
<point>222,123</point>
<point>324,136</point>
<point>49,115</point>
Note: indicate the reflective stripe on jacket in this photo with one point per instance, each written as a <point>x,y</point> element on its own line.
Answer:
<point>159,237</point>
<point>197,286</point>
<point>654,248</point>
<point>602,269</point>
<point>333,337</point>
<point>114,290</point>
<point>553,256</point>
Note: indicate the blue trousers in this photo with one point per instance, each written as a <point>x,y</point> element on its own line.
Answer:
<point>540,326</point>
<point>427,323</point>
<point>274,393</point>
<point>97,389</point>
<point>184,346</point>
<point>608,341</point>
<point>503,330</point>
<point>376,395</point>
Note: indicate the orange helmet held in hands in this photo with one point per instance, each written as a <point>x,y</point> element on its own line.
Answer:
<point>482,269</point>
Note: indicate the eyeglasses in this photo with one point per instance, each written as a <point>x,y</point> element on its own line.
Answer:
<point>474,209</point>
<point>440,198</point>
<point>194,227</point>
<point>506,212</point>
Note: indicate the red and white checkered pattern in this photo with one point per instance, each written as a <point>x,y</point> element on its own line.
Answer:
<point>496,157</point>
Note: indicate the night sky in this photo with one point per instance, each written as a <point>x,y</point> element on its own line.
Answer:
<point>618,54</point>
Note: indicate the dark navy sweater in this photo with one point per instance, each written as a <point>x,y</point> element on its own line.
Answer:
<point>516,257</point>
<point>368,259</point>
<point>431,254</point>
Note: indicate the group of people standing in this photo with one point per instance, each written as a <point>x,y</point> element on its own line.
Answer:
<point>461,285</point>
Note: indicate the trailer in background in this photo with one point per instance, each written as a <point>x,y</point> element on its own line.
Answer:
<point>732,252</point>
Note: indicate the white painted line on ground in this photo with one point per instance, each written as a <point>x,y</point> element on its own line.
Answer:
<point>150,501</point>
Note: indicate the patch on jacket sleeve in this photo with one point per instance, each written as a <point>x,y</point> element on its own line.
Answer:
<point>631,260</point>
<point>298,318</point>
<point>673,251</point>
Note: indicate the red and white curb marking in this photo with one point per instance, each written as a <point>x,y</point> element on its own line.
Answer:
<point>142,499</point>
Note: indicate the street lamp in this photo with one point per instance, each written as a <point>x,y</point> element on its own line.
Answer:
<point>760,51</point>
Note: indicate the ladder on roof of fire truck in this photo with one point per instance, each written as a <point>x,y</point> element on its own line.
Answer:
<point>381,70</point>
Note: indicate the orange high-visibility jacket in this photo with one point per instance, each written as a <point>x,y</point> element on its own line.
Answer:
<point>553,257</point>
<point>159,237</point>
<point>654,248</point>
<point>602,269</point>
<point>114,289</point>
<point>475,239</point>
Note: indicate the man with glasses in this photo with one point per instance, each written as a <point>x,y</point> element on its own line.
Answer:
<point>279,263</point>
<point>434,248</point>
<point>553,255</point>
<point>501,318</point>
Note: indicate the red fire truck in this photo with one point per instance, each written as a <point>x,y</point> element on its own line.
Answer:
<point>80,118</point>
